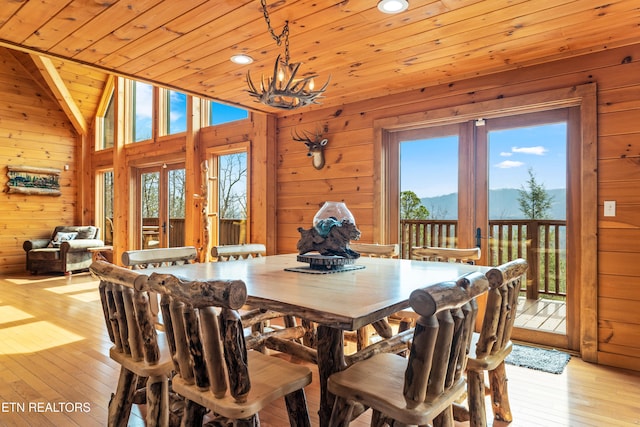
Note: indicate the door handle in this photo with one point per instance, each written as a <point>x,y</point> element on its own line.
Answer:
<point>478,237</point>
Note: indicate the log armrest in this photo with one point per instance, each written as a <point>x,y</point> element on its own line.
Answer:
<point>80,245</point>
<point>35,244</point>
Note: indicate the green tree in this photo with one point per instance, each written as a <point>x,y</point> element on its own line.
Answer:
<point>411,207</point>
<point>534,200</point>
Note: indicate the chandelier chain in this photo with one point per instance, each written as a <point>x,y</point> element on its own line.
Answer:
<point>278,38</point>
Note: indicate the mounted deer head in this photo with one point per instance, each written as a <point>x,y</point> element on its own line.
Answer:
<point>315,143</point>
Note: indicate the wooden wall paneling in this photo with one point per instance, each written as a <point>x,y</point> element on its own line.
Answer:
<point>620,169</point>
<point>263,227</point>
<point>619,190</point>
<point>619,240</point>
<point>33,132</point>
<point>348,185</point>
<point>618,146</point>
<point>619,99</point>
<point>612,286</point>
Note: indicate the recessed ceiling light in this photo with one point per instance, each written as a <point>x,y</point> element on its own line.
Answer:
<point>241,59</point>
<point>392,6</point>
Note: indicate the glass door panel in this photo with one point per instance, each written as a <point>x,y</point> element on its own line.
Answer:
<point>527,211</point>
<point>162,206</point>
<point>150,209</point>
<point>176,207</point>
<point>232,198</point>
<point>429,203</point>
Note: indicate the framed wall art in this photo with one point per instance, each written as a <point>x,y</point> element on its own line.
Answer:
<point>33,180</point>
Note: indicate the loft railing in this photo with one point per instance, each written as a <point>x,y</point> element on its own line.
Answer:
<point>541,242</point>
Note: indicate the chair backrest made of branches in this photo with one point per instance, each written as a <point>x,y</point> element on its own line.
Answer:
<point>432,253</point>
<point>235,252</point>
<point>214,367</point>
<point>442,334</point>
<point>502,302</point>
<point>375,250</point>
<point>137,346</point>
<point>493,344</point>
<point>159,257</point>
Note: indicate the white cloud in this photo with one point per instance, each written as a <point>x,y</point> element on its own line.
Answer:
<point>144,101</point>
<point>538,150</point>
<point>508,164</point>
<point>506,154</point>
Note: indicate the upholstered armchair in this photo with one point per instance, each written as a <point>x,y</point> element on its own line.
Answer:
<point>66,251</point>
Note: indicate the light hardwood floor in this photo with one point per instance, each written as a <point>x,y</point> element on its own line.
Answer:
<point>55,369</point>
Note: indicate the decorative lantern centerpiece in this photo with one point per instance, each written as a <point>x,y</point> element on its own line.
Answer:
<point>333,228</point>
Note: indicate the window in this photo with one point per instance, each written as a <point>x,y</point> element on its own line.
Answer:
<point>228,195</point>
<point>221,113</point>
<point>174,108</point>
<point>142,111</point>
<point>104,205</point>
<point>106,119</point>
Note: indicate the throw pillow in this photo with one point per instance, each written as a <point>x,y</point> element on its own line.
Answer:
<point>62,237</point>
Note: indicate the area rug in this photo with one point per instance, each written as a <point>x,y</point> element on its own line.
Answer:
<point>552,361</point>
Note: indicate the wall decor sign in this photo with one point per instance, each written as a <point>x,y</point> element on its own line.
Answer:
<point>33,180</point>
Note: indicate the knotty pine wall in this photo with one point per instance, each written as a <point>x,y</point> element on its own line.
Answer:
<point>33,132</point>
<point>348,174</point>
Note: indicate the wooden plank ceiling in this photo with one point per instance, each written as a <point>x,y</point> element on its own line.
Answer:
<point>187,44</point>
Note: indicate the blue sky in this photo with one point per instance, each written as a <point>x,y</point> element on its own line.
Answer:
<point>429,167</point>
<point>221,113</point>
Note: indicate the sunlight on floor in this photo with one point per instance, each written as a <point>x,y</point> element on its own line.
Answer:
<point>30,280</point>
<point>87,296</point>
<point>86,292</point>
<point>73,288</point>
<point>10,314</point>
<point>34,337</point>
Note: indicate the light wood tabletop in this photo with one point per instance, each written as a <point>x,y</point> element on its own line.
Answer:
<point>337,301</point>
<point>345,300</point>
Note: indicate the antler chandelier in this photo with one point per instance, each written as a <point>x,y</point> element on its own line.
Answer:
<point>283,90</point>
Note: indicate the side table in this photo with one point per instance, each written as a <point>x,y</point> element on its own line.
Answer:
<point>104,253</point>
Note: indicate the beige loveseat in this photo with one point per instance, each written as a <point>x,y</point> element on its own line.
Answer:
<point>64,252</point>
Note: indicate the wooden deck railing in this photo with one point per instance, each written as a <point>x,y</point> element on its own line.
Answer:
<point>232,231</point>
<point>541,242</point>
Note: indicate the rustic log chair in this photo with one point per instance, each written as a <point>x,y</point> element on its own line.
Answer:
<point>137,346</point>
<point>158,257</point>
<point>422,388</point>
<point>235,252</point>
<point>433,253</point>
<point>493,344</point>
<point>206,339</point>
<point>382,327</point>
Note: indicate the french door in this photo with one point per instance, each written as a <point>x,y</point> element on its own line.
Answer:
<point>500,184</point>
<point>160,221</point>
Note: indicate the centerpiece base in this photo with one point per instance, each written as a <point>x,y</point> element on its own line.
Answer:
<point>325,264</point>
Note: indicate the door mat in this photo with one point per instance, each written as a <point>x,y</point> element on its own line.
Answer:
<point>540,359</point>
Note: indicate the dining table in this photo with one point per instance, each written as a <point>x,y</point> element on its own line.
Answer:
<point>340,299</point>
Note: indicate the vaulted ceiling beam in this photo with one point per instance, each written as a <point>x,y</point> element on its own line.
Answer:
<point>60,92</point>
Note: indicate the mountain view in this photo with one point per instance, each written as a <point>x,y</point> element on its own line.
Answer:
<point>503,204</point>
